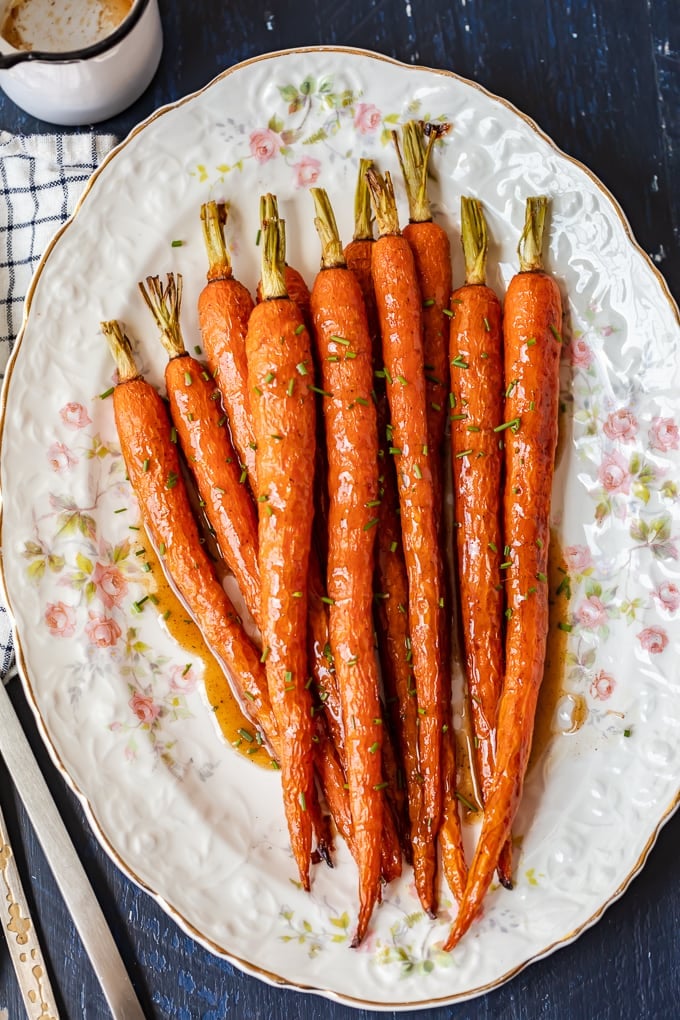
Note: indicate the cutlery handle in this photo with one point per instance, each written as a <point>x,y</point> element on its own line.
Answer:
<point>22,938</point>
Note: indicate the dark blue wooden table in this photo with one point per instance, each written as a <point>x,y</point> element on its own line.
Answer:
<point>603,79</point>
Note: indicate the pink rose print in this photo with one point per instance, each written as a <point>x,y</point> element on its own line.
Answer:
<point>602,686</point>
<point>307,171</point>
<point>613,473</point>
<point>592,613</point>
<point>621,424</point>
<point>111,585</point>
<point>664,435</point>
<point>60,619</point>
<point>653,639</point>
<point>580,353</point>
<point>102,631</point>
<point>60,457</point>
<point>264,145</point>
<point>578,558</point>
<point>75,416</point>
<point>183,680</point>
<point>367,118</point>
<point>668,594</point>
<point>144,707</point>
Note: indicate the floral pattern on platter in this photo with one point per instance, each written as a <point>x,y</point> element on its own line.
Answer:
<point>310,114</point>
<point>152,763</point>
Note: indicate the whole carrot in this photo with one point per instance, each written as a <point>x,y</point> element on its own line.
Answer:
<point>153,466</point>
<point>399,305</point>
<point>391,582</point>
<point>432,253</point>
<point>476,356</point>
<point>282,400</point>
<point>344,352</point>
<point>532,322</point>
<point>204,438</point>
<point>224,307</point>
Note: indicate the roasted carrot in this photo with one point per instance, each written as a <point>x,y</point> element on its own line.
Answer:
<point>224,307</point>
<point>282,399</point>
<point>532,323</point>
<point>344,354</point>
<point>204,438</point>
<point>432,253</point>
<point>154,469</point>
<point>399,305</point>
<point>477,374</point>
<point>391,615</point>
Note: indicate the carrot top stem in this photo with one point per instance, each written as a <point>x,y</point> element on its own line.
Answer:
<point>164,304</point>
<point>213,218</point>
<point>475,240</point>
<point>273,250</point>
<point>121,349</point>
<point>384,202</point>
<point>363,214</point>
<point>415,167</point>
<point>332,255</point>
<point>530,244</point>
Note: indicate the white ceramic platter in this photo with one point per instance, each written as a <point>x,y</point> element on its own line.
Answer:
<point>189,819</point>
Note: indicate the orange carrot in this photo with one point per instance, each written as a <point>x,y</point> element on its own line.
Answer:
<point>532,322</point>
<point>224,307</point>
<point>400,313</point>
<point>204,439</point>
<point>344,354</point>
<point>476,353</point>
<point>282,400</point>
<point>155,473</point>
<point>391,615</point>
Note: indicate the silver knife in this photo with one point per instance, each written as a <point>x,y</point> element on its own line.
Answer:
<point>66,867</point>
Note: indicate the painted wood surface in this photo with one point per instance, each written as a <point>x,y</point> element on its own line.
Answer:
<point>603,80</point>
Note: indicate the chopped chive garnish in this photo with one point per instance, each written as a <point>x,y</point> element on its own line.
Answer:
<point>402,380</point>
<point>197,349</point>
<point>464,453</point>
<point>246,734</point>
<point>265,654</point>
<point>269,377</point>
<point>511,387</point>
<point>290,387</point>
<point>493,547</point>
<point>487,327</point>
<point>243,476</point>
<point>303,800</point>
<point>428,302</point>
<point>416,471</point>
<point>173,434</point>
<point>513,424</point>
<point>258,237</point>
<point>506,550</point>
<point>222,421</point>
<point>288,676</point>
<point>484,354</point>
<point>458,417</point>
<point>186,669</point>
<point>381,786</point>
<point>370,524</point>
<point>542,577</point>
<point>505,564</point>
<point>473,428</point>
<point>341,340</point>
<point>435,407</point>
<point>555,333</point>
<point>531,341</point>
<point>468,804</point>
<point>121,510</point>
<point>328,600</point>
<point>508,613</point>
<point>302,368</point>
<point>373,748</point>
<point>257,390</point>
<point>172,480</point>
<point>447,311</point>
<point>315,389</point>
<point>626,733</point>
<point>362,401</point>
<point>564,626</point>
<point>187,379</point>
<point>106,393</point>
<point>387,374</point>
<point>452,399</point>
<point>296,595</point>
<point>393,546</point>
<point>300,329</point>
<point>177,244</point>
<point>161,549</point>
<point>459,362</point>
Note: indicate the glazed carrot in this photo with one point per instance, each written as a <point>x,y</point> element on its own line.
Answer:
<point>282,401</point>
<point>204,438</point>
<point>224,307</point>
<point>532,321</point>
<point>432,253</point>
<point>344,354</point>
<point>391,617</point>
<point>153,466</point>
<point>400,314</point>
<point>476,355</point>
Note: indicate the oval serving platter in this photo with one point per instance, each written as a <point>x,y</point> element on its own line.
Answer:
<point>196,824</point>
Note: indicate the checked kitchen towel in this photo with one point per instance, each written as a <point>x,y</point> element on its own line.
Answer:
<point>41,179</point>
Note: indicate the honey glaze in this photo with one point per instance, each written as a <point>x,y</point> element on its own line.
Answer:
<point>238,731</point>
<point>60,26</point>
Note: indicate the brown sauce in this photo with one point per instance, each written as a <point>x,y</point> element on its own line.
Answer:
<point>58,26</point>
<point>238,731</point>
